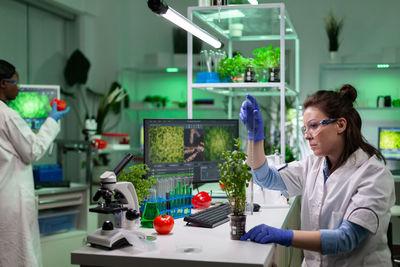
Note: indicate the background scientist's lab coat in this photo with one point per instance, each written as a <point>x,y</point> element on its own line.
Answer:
<point>19,146</point>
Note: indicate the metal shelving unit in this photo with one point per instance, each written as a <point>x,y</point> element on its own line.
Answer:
<point>263,22</point>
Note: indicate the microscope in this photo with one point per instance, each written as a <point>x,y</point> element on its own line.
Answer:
<point>120,199</point>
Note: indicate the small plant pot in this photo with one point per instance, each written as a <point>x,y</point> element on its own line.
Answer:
<point>274,75</point>
<point>250,75</point>
<point>238,226</point>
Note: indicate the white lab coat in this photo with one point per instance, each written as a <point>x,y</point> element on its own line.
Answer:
<point>360,191</point>
<point>19,146</point>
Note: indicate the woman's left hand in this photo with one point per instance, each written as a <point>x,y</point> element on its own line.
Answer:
<point>267,234</point>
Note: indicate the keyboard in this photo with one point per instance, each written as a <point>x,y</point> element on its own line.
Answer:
<point>210,217</point>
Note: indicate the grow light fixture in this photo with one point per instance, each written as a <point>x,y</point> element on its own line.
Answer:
<point>170,69</point>
<point>382,66</point>
<point>162,9</point>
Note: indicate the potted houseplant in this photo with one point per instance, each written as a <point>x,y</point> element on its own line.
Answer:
<point>333,28</point>
<point>233,68</point>
<point>136,175</point>
<point>109,102</point>
<point>235,177</point>
<point>268,60</point>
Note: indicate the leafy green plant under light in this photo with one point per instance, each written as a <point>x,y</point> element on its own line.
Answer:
<point>235,177</point>
<point>233,67</point>
<point>136,175</point>
<point>267,57</point>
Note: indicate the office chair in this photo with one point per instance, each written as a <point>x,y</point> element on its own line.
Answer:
<point>395,212</point>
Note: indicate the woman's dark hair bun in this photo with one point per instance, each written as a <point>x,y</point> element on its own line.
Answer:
<point>349,92</point>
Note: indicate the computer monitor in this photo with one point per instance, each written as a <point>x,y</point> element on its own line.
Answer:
<point>389,142</point>
<point>176,147</point>
<point>33,103</point>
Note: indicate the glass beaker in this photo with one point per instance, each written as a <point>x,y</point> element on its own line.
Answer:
<point>149,214</point>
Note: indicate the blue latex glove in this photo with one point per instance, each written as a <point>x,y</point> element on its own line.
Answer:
<point>251,117</point>
<point>267,234</point>
<point>55,114</point>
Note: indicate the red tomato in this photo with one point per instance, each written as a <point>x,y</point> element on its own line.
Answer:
<point>61,104</point>
<point>163,224</point>
<point>99,143</point>
<point>201,200</point>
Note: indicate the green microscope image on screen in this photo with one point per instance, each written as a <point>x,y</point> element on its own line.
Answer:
<point>216,141</point>
<point>31,105</point>
<point>166,144</point>
<point>390,140</point>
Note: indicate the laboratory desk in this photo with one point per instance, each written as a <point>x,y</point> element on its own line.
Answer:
<point>193,246</point>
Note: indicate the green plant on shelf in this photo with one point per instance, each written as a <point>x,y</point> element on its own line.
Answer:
<point>233,67</point>
<point>267,57</point>
<point>156,100</point>
<point>136,175</point>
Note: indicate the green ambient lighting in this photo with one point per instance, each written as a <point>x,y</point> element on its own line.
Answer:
<point>171,69</point>
<point>382,66</point>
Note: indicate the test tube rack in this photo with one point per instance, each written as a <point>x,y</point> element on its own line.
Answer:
<point>175,200</point>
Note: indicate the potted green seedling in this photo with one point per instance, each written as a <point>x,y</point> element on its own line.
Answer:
<point>136,175</point>
<point>233,69</point>
<point>268,61</point>
<point>235,177</point>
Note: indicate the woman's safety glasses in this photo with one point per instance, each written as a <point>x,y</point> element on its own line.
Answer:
<point>11,81</point>
<point>313,127</point>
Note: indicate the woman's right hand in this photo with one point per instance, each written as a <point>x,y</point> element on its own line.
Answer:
<point>251,117</point>
<point>55,114</point>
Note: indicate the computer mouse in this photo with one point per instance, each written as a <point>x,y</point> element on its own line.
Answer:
<point>256,207</point>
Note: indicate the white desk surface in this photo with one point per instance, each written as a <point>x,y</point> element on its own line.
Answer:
<point>216,247</point>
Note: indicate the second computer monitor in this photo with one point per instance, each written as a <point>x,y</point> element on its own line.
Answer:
<point>389,146</point>
<point>389,142</point>
<point>176,147</point>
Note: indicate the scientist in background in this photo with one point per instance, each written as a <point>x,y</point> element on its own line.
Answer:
<point>19,146</point>
<point>347,191</point>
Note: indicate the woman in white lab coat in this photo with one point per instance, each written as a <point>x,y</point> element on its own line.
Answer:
<point>347,191</point>
<point>19,146</point>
